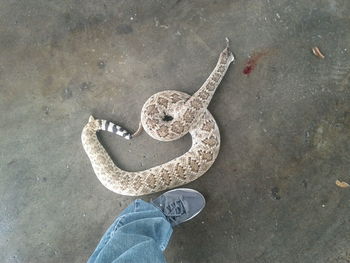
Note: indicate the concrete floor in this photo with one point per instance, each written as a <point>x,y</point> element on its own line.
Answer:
<point>271,194</point>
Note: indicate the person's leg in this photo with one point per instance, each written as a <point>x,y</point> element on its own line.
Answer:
<point>142,231</point>
<point>139,234</point>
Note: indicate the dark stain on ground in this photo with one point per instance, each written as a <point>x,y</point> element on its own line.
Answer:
<point>46,110</point>
<point>86,86</point>
<point>11,162</point>
<point>78,23</point>
<point>177,2</point>
<point>124,29</point>
<point>258,96</point>
<point>48,86</point>
<point>67,93</point>
<point>305,184</point>
<point>274,193</point>
<point>8,40</point>
<point>252,62</point>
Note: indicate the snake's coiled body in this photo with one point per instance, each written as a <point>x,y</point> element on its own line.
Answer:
<point>166,116</point>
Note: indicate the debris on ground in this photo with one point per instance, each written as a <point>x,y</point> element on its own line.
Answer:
<point>317,52</point>
<point>342,184</point>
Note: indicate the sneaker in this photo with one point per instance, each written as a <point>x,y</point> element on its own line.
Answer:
<point>180,205</point>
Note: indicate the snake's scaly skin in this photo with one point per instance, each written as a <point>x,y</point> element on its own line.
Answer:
<point>166,116</point>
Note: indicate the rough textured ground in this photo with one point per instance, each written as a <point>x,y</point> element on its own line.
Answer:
<point>271,195</point>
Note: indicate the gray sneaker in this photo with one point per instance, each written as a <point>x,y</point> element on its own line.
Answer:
<point>180,205</point>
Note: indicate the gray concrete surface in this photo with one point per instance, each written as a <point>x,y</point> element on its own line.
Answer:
<point>271,195</point>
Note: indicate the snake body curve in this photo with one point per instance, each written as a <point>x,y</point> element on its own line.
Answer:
<point>166,116</point>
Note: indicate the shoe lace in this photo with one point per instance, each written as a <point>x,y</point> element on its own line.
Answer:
<point>174,209</point>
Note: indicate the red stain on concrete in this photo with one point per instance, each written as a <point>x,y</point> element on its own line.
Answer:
<point>252,62</point>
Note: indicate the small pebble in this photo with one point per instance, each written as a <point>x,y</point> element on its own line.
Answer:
<point>101,64</point>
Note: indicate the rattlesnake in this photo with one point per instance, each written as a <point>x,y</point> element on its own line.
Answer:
<point>166,116</point>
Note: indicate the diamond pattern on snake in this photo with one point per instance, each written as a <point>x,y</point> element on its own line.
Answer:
<point>166,116</point>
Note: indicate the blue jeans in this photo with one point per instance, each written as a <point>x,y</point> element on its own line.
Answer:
<point>140,234</point>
